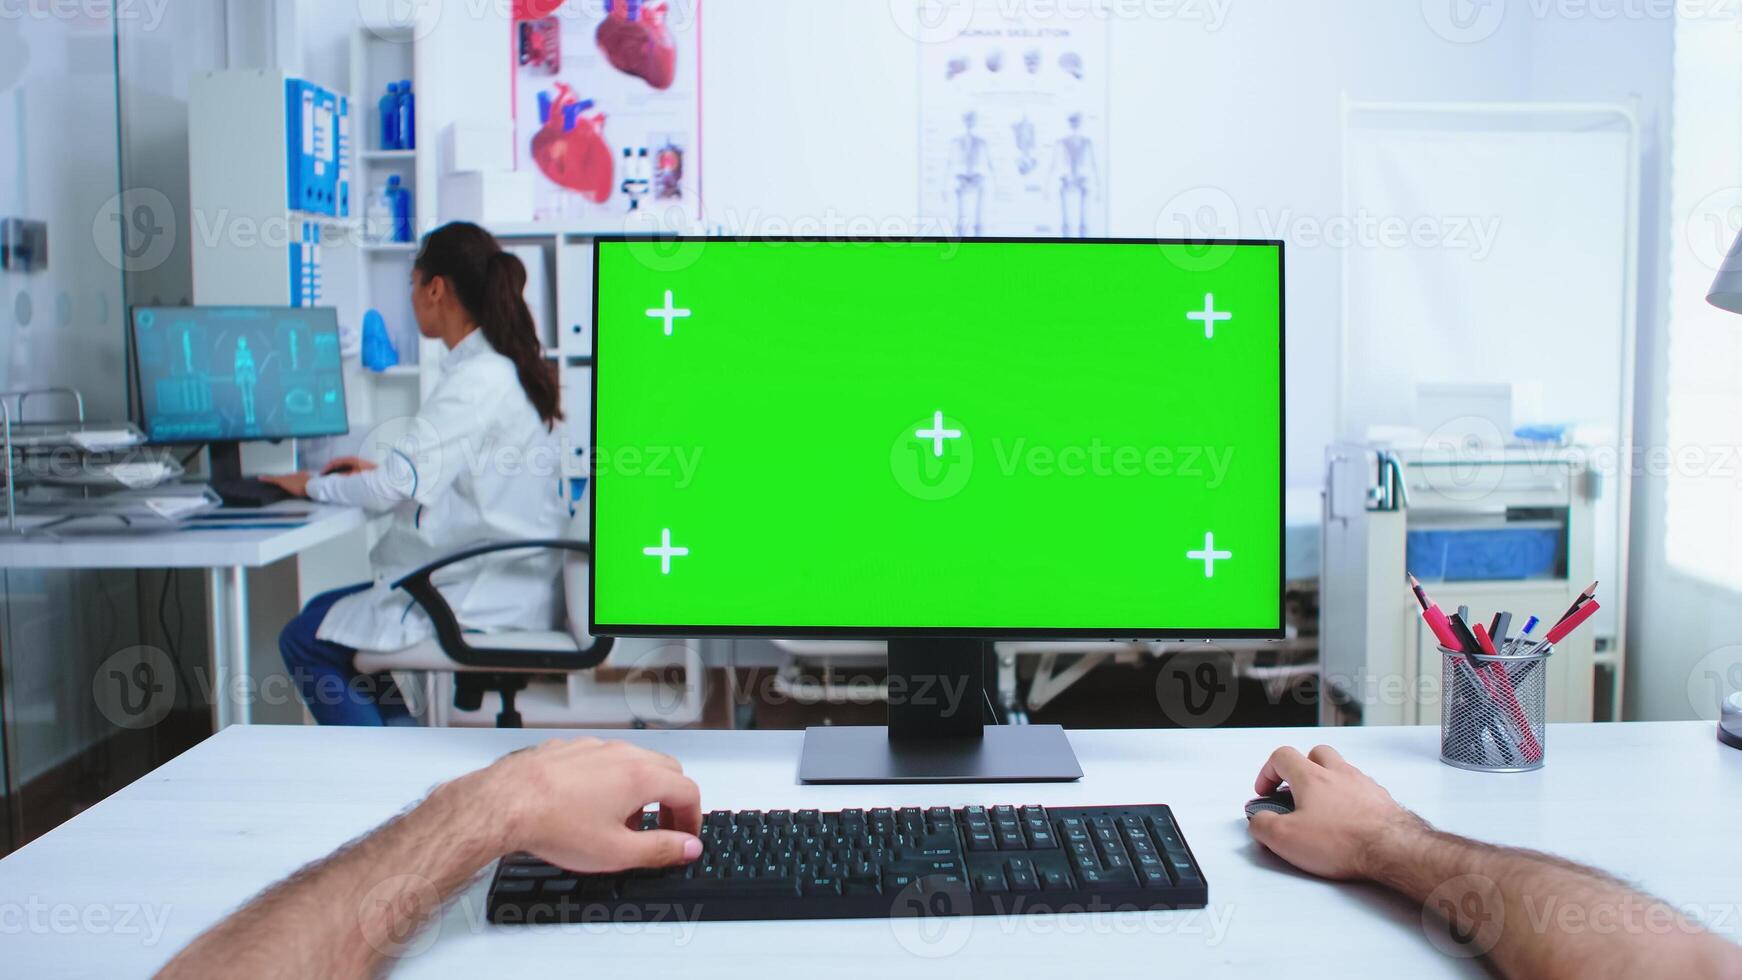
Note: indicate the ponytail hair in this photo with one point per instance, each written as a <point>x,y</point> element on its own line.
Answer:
<point>490,283</point>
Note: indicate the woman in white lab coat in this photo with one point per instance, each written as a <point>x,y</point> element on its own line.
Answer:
<point>479,463</point>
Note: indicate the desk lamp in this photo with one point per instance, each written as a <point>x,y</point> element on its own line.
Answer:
<point>1726,294</point>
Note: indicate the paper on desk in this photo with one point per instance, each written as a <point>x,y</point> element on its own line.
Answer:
<point>172,508</point>
<point>137,476</point>
<point>98,440</point>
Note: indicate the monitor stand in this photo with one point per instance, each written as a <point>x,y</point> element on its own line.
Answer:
<point>224,461</point>
<point>937,732</point>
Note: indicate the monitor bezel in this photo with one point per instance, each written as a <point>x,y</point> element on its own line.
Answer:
<point>151,439</point>
<point>1279,632</point>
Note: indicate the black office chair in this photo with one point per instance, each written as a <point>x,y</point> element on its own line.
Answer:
<point>499,662</point>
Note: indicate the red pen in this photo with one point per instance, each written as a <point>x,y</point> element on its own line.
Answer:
<point>1573,622</point>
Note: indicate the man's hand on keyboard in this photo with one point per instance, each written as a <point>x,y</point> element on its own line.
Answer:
<point>1340,814</point>
<point>574,802</point>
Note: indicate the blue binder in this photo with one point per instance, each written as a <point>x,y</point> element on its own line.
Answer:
<point>317,141</point>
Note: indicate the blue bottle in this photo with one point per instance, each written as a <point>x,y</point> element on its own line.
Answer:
<point>379,354</point>
<point>400,196</point>
<point>407,117</point>
<point>389,107</point>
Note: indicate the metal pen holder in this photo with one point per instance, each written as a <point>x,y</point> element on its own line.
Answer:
<point>1493,716</point>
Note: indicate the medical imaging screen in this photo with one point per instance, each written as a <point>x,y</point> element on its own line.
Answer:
<point>225,373</point>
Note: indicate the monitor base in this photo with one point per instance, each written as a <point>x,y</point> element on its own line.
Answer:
<point>1000,754</point>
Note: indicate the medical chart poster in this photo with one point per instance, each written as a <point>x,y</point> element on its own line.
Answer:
<point>607,111</point>
<point>1013,124</point>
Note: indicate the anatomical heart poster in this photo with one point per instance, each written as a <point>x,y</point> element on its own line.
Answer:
<point>1013,120</point>
<point>607,111</point>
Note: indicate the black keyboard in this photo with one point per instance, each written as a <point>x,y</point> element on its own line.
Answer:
<point>248,491</point>
<point>858,864</point>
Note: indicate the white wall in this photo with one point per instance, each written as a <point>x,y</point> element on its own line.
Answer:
<point>1223,128</point>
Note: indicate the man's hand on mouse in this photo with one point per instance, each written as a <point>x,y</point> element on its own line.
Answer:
<point>576,802</point>
<point>1340,814</point>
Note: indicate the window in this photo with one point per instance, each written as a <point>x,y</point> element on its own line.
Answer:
<point>1703,464</point>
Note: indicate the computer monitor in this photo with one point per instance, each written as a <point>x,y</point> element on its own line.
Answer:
<point>229,374</point>
<point>941,443</point>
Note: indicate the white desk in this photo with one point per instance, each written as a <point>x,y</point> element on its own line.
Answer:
<point>225,552</point>
<point>1655,804</point>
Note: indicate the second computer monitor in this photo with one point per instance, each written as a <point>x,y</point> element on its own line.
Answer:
<point>239,373</point>
<point>938,438</point>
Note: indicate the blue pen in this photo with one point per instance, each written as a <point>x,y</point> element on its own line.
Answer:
<point>1529,625</point>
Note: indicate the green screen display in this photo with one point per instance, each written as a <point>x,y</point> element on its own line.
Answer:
<point>1018,438</point>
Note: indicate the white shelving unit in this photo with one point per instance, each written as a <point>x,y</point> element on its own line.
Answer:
<point>238,181</point>
<point>562,306</point>
<point>381,55</point>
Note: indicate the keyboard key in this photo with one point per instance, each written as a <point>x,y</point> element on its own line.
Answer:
<point>598,888</point>
<point>896,882</point>
<point>513,886</point>
<point>822,885</point>
<point>1092,878</point>
<point>1054,880</point>
<point>1010,838</point>
<point>1165,833</point>
<point>1041,837</point>
<point>1020,873</point>
<point>809,818</point>
<point>719,818</point>
<point>926,854</point>
<point>943,838</point>
<point>1154,877</point>
<point>932,867</point>
<point>672,889</point>
<point>566,886</point>
<point>981,840</point>
<point>948,893</point>
<point>530,871</point>
<point>990,883</point>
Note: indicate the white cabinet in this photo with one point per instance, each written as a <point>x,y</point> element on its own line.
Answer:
<point>1377,659</point>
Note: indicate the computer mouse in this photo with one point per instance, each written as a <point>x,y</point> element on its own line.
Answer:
<point>1281,801</point>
